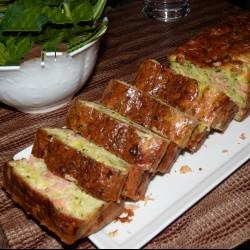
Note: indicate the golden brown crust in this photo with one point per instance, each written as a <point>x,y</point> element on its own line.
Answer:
<point>148,112</point>
<point>220,44</point>
<point>99,180</point>
<point>137,184</point>
<point>198,138</point>
<point>243,114</point>
<point>117,137</point>
<point>67,228</point>
<point>173,151</point>
<point>208,105</point>
<point>220,56</point>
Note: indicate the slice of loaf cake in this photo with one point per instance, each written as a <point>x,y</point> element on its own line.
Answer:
<point>56,203</point>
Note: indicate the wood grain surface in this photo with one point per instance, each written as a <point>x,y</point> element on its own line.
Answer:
<point>220,220</point>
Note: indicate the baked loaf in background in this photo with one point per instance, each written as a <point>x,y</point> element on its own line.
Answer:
<point>56,203</point>
<point>220,56</point>
<point>194,98</point>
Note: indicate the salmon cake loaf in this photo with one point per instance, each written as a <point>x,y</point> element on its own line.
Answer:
<point>220,56</point>
<point>197,99</point>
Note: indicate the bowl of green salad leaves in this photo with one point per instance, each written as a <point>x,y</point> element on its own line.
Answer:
<point>48,50</point>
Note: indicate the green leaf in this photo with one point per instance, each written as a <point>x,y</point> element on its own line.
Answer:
<point>13,13</point>
<point>55,15</point>
<point>30,20</point>
<point>3,9</point>
<point>79,42</point>
<point>99,8</point>
<point>15,50</point>
<point>4,5</point>
<point>1,16</point>
<point>23,47</point>
<point>52,44</point>
<point>78,10</point>
<point>34,19</point>
<point>4,55</point>
<point>74,41</point>
<point>83,12</point>
<point>10,44</point>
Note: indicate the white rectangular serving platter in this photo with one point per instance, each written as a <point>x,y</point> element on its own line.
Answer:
<point>171,195</point>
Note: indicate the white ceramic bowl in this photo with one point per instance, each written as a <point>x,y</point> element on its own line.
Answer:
<point>37,87</point>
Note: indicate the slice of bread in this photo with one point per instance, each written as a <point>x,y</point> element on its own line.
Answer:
<point>117,134</point>
<point>195,98</point>
<point>95,169</point>
<point>56,203</point>
<point>153,114</point>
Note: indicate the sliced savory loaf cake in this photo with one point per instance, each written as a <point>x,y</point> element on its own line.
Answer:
<point>119,135</point>
<point>56,203</point>
<point>71,156</point>
<point>95,169</point>
<point>154,114</point>
<point>197,99</point>
<point>220,56</point>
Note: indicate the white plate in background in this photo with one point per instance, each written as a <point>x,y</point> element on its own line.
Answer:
<point>171,195</point>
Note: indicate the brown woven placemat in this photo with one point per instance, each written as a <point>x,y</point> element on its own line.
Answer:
<point>220,220</point>
<point>3,240</point>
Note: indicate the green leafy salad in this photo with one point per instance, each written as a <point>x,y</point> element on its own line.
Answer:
<point>30,27</point>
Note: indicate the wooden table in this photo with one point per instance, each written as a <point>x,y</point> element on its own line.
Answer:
<point>130,39</point>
